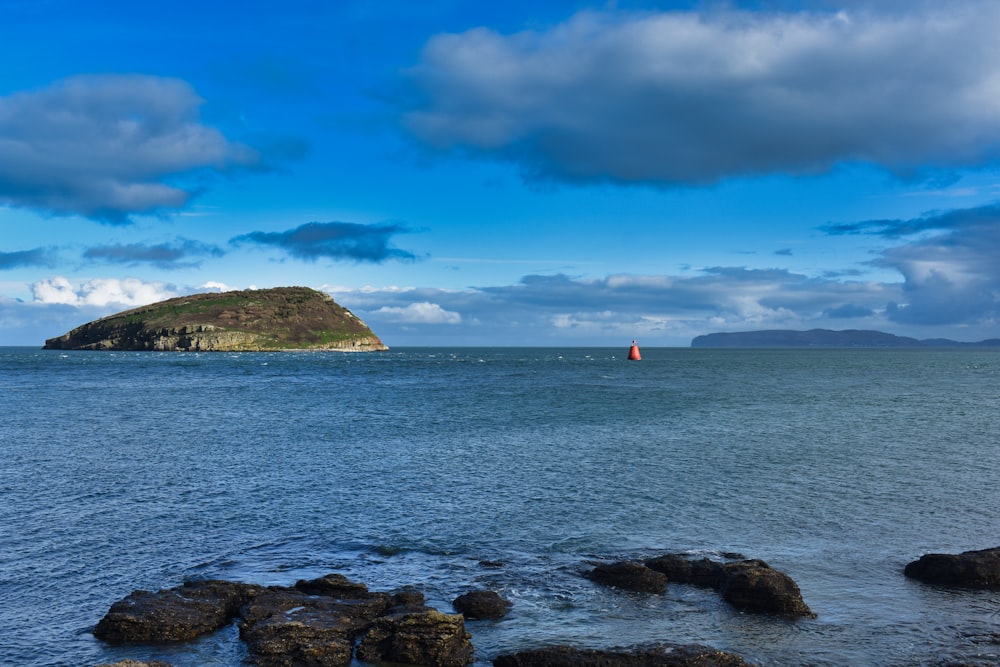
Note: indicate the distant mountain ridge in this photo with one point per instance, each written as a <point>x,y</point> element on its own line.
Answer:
<point>826,338</point>
<point>281,318</point>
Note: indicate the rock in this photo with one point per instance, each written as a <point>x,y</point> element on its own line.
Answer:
<point>406,599</point>
<point>752,585</point>
<point>174,614</point>
<point>683,570</point>
<point>629,575</point>
<point>481,604</point>
<point>334,585</point>
<point>748,585</point>
<point>286,627</point>
<point>667,655</point>
<point>420,638</point>
<point>135,663</point>
<point>972,569</point>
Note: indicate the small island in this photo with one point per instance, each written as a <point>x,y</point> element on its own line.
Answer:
<point>282,318</point>
<point>825,338</point>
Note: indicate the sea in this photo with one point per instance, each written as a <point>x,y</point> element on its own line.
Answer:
<point>508,469</point>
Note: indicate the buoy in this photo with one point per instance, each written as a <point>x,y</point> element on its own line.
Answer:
<point>633,352</point>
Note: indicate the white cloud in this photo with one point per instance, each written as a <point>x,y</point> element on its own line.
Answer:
<point>683,97</point>
<point>421,312</point>
<point>105,147</point>
<point>215,286</point>
<point>101,292</point>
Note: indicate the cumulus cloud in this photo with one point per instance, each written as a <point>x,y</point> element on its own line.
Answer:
<point>101,292</point>
<point>215,286</point>
<point>949,267</point>
<point>334,240</point>
<point>162,255</point>
<point>560,309</point>
<point>422,312</point>
<point>107,147</point>
<point>691,98</point>
<point>21,258</point>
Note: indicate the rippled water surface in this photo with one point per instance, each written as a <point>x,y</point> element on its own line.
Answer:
<point>121,471</point>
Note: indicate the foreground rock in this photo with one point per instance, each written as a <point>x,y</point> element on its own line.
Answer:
<point>972,569</point>
<point>284,627</point>
<point>752,585</point>
<point>481,604</point>
<point>682,570</point>
<point>175,614</point>
<point>418,638</point>
<point>315,623</point>
<point>283,318</point>
<point>135,663</point>
<point>691,655</point>
<point>629,575</point>
<point>748,585</point>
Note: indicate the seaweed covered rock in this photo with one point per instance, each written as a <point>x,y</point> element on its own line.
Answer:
<point>174,614</point>
<point>419,638</point>
<point>629,575</point>
<point>971,569</point>
<point>666,655</point>
<point>481,604</point>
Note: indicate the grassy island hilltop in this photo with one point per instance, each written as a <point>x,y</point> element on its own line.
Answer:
<point>282,318</point>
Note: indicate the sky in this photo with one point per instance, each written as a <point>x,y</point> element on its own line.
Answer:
<point>565,173</point>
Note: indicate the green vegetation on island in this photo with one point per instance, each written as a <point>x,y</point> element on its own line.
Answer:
<point>282,318</point>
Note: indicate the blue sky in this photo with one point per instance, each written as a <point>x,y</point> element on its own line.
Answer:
<point>520,173</point>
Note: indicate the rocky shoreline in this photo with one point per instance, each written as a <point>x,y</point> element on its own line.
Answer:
<point>329,621</point>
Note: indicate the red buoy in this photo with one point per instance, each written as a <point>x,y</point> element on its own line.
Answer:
<point>633,352</point>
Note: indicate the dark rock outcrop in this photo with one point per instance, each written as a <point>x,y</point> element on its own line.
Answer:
<point>315,623</point>
<point>682,570</point>
<point>752,585</point>
<point>748,585</point>
<point>136,663</point>
<point>419,638</point>
<point>970,569</point>
<point>285,627</point>
<point>691,655</point>
<point>175,614</point>
<point>629,575</point>
<point>282,318</point>
<point>481,604</point>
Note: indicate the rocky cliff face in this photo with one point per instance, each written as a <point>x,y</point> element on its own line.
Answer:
<point>283,318</point>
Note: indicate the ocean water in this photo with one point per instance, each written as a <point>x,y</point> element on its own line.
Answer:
<point>123,471</point>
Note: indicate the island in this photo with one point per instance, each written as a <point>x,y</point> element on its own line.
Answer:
<point>277,319</point>
<point>826,338</point>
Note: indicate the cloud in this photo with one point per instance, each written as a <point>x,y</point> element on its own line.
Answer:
<point>422,312</point>
<point>334,240</point>
<point>162,255</point>
<point>101,292</point>
<point>948,263</point>
<point>107,147</point>
<point>19,258</point>
<point>680,98</point>
<point>952,277</point>
<point>566,310</point>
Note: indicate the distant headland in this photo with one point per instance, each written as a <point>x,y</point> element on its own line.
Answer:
<point>282,318</point>
<point>851,338</point>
